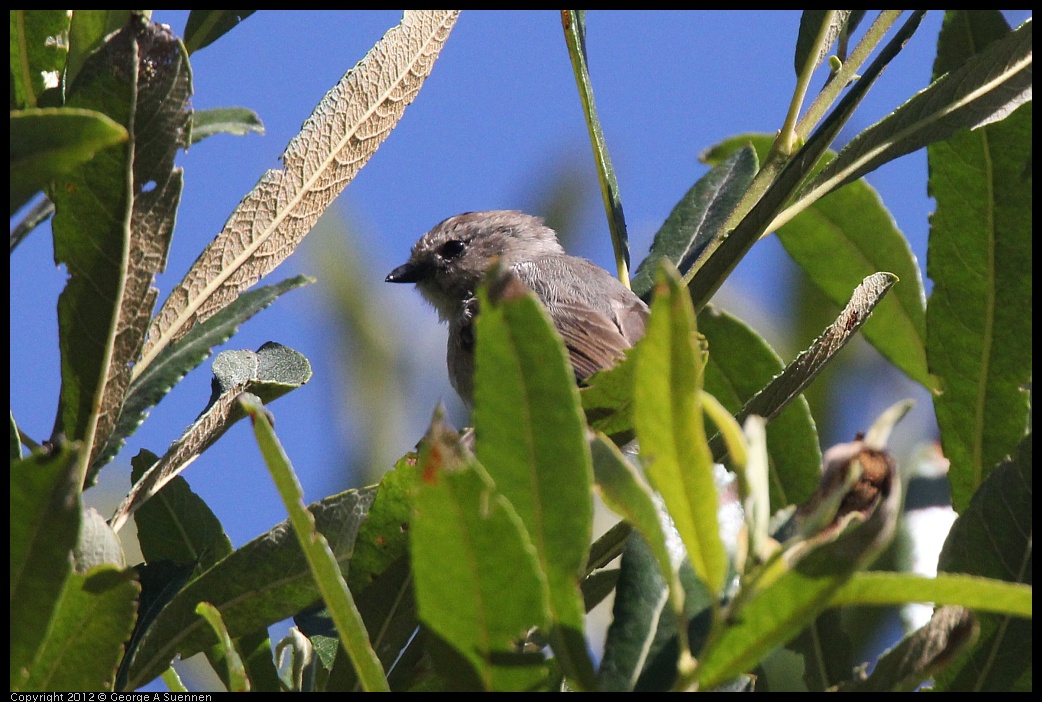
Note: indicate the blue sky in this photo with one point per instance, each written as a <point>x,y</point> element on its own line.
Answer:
<point>498,114</point>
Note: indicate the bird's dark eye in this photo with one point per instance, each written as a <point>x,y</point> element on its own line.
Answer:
<point>451,249</point>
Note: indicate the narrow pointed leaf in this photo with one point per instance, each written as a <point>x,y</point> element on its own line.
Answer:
<point>204,27</point>
<point>478,584</point>
<point>45,519</point>
<point>270,372</point>
<point>336,141</point>
<point>668,418</point>
<point>178,359</point>
<point>698,217</point>
<point>970,591</point>
<point>979,315</point>
<point>263,582</point>
<point>230,666</point>
<point>806,366</point>
<point>225,120</point>
<point>110,231</point>
<point>985,89</point>
<point>530,437</point>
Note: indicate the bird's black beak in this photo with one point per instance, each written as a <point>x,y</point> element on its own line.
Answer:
<point>407,273</point>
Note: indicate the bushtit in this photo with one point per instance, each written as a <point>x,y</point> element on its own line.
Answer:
<point>595,314</point>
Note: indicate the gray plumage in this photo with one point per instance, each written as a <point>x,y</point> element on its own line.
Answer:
<point>597,317</point>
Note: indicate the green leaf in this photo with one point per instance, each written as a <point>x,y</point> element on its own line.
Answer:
<point>668,418</point>
<point>230,668</point>
<point>985,89</point>
<point>607,399</point>
<point>640,650</point>
<point>477,578</point>
<point>970,591</point>
<point>848,235</point>
<point>45,519</point>
<point>48,143</point>
<point>637,632</point>
<point>624,491</point>
<point>85,638</point>
<point>841,239</point>
<point>177,525</point>
<point>740,364</point>
<point>225,120</point>
<point>698,217</point>
<point>87,32</point>
<point>993,538</point>
<point>39,50</point>
<point>979,314</point>
<point>322,563</point>
<point>113,220</point>
<point>530,437</point>
<point>204,27</point>
<point>263,582</point>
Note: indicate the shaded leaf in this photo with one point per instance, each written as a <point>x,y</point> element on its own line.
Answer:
<point>87,32</point>
<point>530,437</point>
<point>979,314</point>
<point>336,141</point>
<point>698,217</point>
<point>204,27</point>
<point>263,582</point>
<point>85,638</point>
<point>176,524</point>
<point>110,230</point>
<point>45,519</point>
<point>270,372</point>
<point>993,538</point>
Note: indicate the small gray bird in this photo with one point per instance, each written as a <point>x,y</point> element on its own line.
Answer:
<point>596,315</point>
